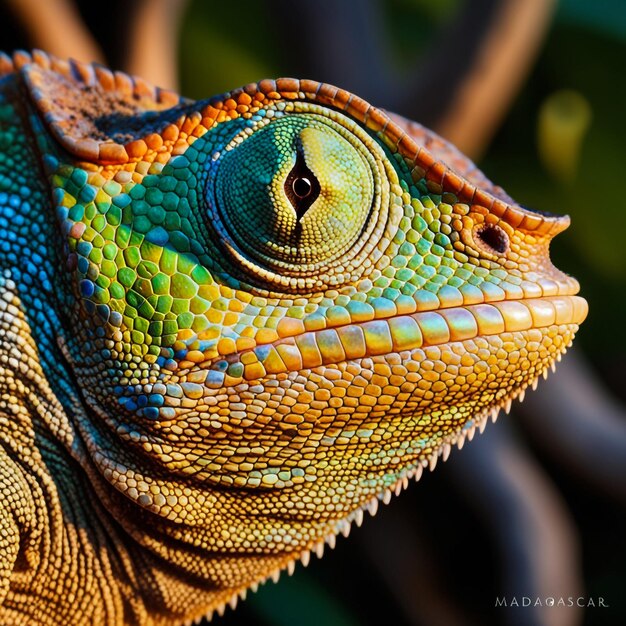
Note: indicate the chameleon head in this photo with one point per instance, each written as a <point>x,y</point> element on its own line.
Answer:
<point>286,293</point>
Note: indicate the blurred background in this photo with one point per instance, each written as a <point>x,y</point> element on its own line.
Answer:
<point>534,91</point>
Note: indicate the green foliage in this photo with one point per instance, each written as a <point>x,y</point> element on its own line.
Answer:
<point>281,605</point>
<point>218,51</point>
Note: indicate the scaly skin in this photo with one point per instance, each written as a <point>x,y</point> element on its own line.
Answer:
<point>229,327</point>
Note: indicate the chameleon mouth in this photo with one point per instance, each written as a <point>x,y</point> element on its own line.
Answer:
<point>397,334</point>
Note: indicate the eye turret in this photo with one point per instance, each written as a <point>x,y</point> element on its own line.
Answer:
<point>301,196</point>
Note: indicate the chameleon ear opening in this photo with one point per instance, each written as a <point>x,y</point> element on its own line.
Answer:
<point>96,114</point>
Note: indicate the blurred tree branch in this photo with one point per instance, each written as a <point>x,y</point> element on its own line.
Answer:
<point>153,37</point>
<point>579,424</point>
<point>504,58</point>
<point>150,35</point>
<point>462,85</point>
<point>413,573</point>
<point>533,529</point>
<point>56,26</point>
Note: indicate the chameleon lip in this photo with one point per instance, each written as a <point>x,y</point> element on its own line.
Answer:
<point>396,334</point>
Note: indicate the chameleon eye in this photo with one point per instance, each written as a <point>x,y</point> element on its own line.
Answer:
<point>301,201</point>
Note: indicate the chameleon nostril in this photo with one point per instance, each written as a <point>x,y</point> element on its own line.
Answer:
<point>493,237</point>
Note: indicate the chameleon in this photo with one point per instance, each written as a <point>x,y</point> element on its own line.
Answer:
<point>231,327</point>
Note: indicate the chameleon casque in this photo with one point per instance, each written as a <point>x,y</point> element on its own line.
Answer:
<point>230,327</point>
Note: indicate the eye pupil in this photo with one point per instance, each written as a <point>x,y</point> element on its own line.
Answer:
<point>302,187</point>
